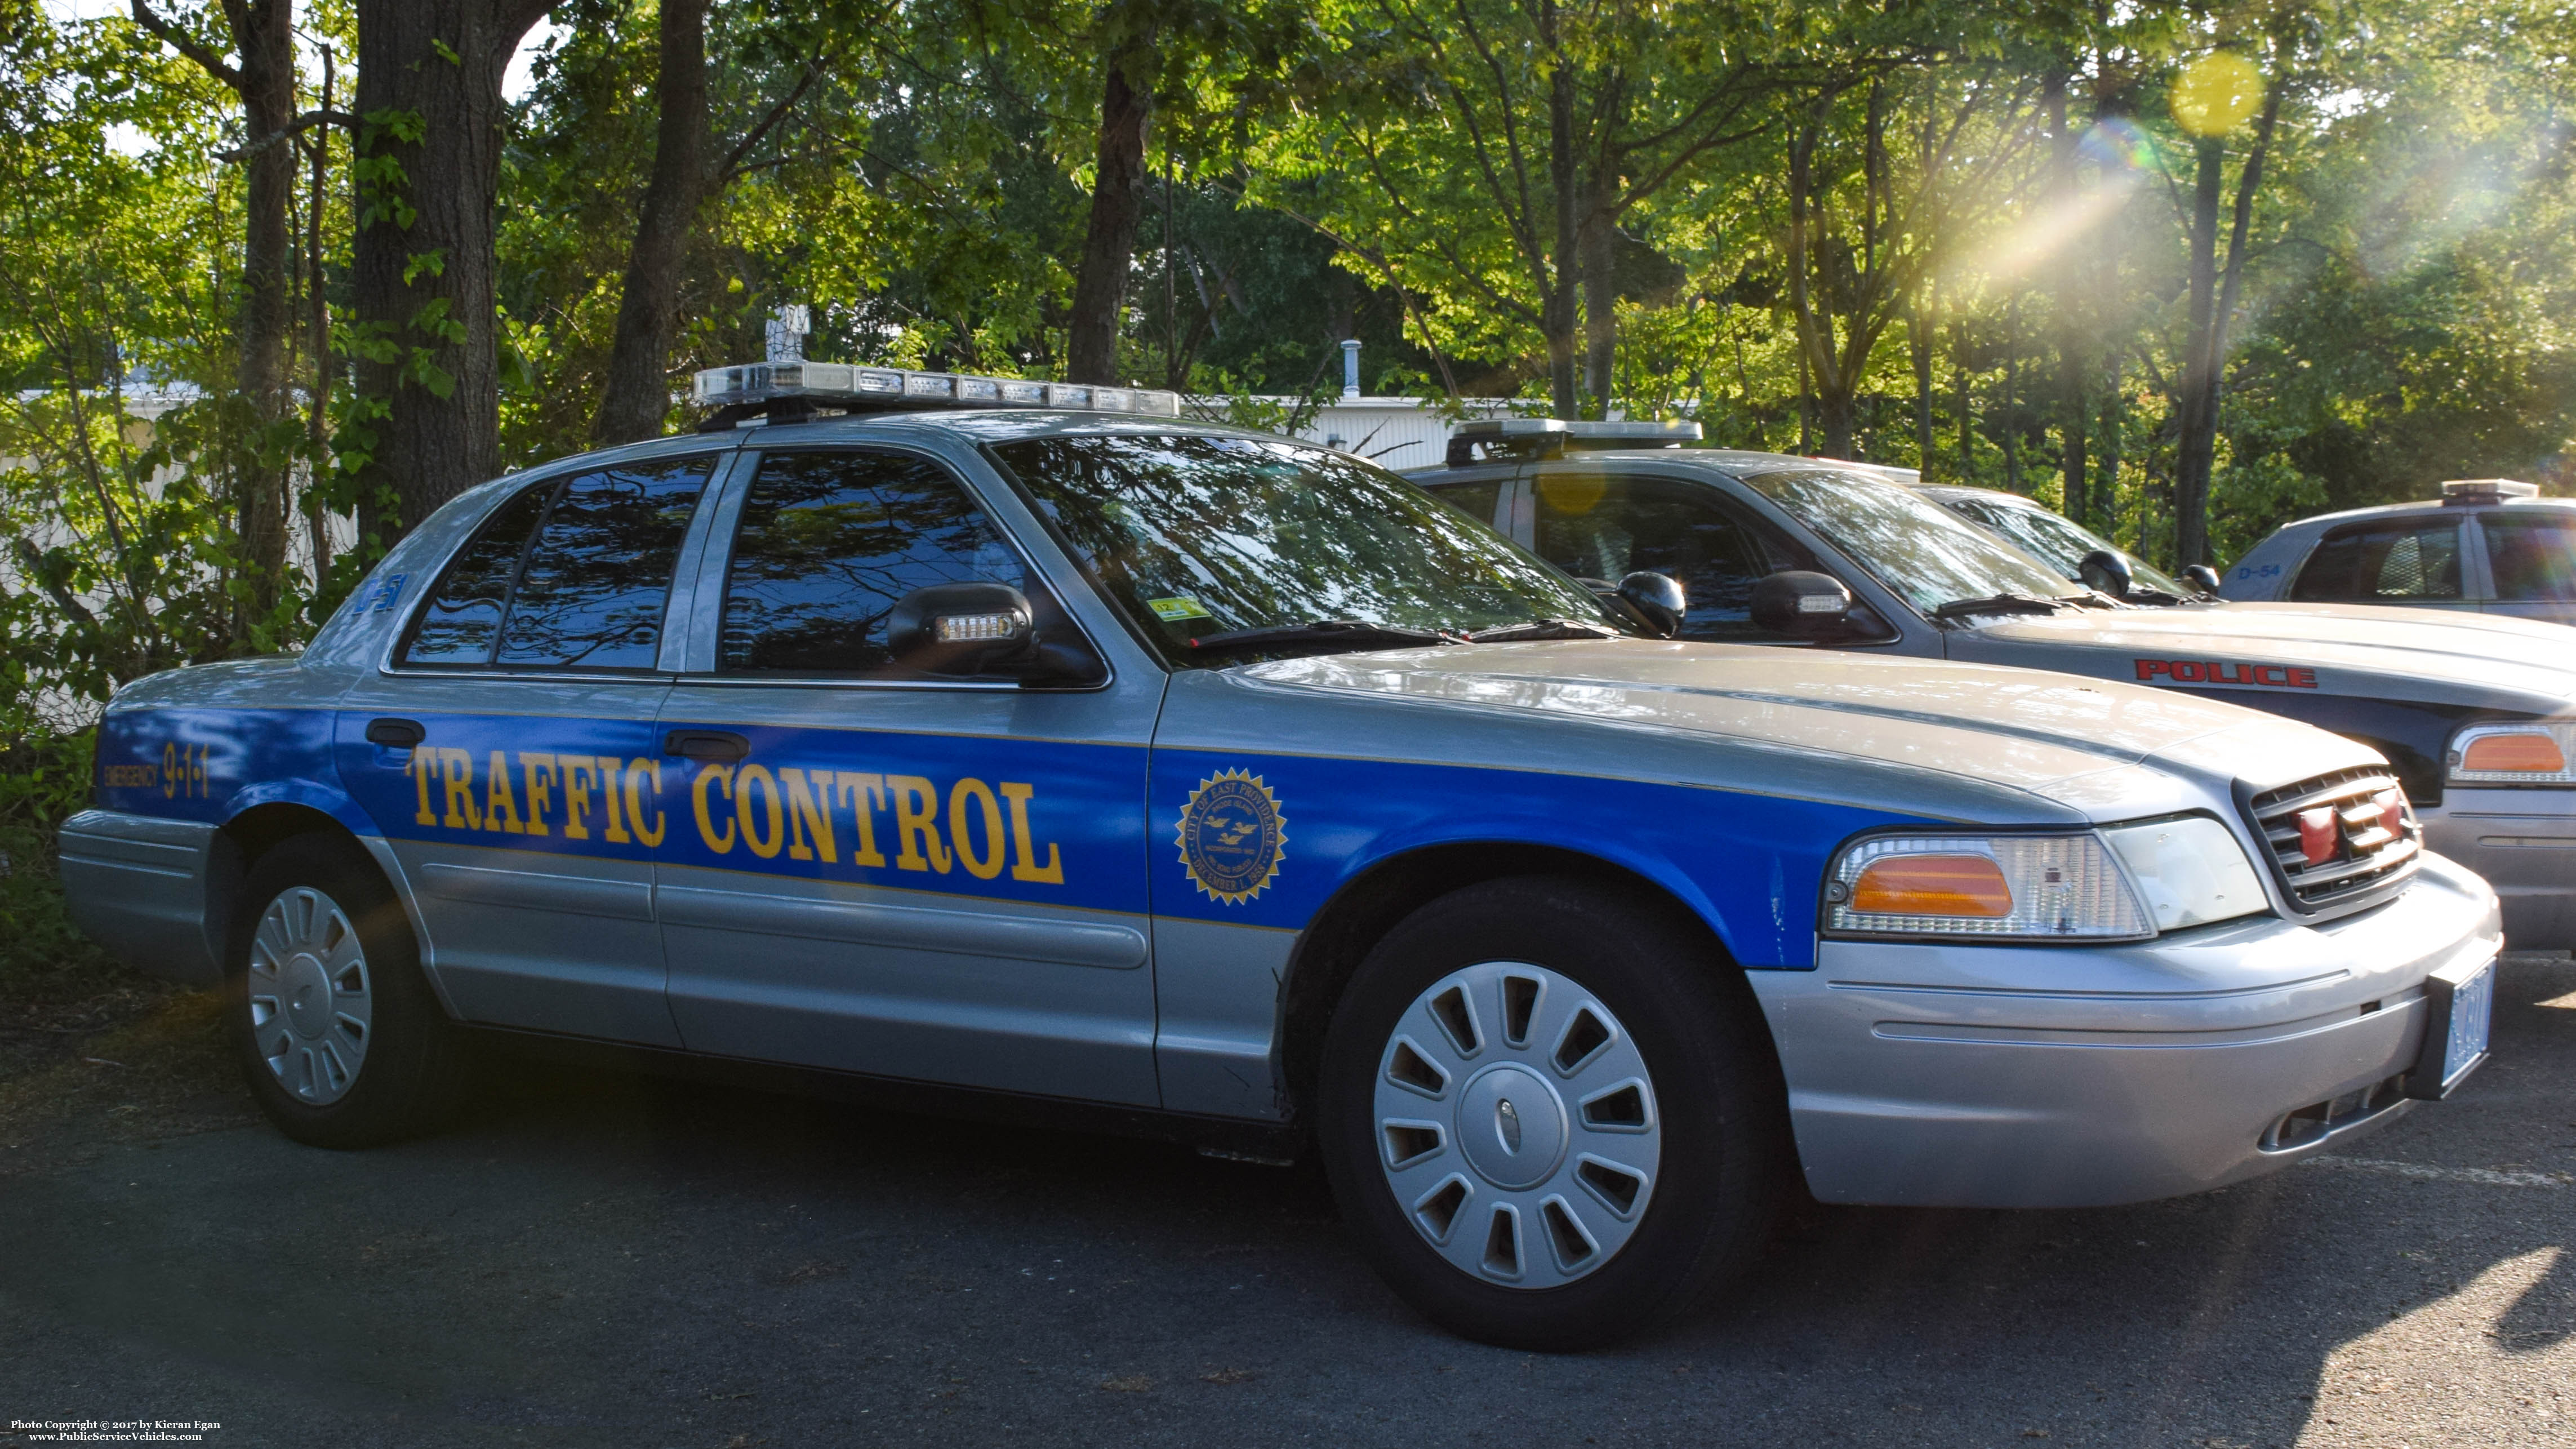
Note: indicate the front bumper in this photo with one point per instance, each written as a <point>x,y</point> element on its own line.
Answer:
<point>2025,1076</point>
<point>2524,843</point>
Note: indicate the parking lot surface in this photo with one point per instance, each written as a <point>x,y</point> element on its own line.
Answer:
<point>592,1258</point>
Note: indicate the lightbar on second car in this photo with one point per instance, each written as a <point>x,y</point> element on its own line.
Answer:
<point>890,389</point>
<point>1489,438</point>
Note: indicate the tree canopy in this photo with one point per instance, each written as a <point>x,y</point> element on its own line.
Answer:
<point>276,279</point>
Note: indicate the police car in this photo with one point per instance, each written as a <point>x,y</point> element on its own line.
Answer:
<point>2476,713</point>
<point>2490,545</point>
<point>1173,778</point>
<point>2077,553</point>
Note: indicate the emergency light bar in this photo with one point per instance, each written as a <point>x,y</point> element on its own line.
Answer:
<point>1494,438</point>
<point>754,388</point>
<point>2486,490</point>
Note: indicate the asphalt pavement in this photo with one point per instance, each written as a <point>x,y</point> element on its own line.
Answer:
<point>592,1258</point>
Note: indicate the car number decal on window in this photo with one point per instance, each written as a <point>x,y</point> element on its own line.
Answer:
<point>1232,836</point>
<point>2225,671</point>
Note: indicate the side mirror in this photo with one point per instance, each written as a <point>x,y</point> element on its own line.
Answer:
<point>1798,601</point>
<point>2203,578</point>
<point>2105,571</point>
<point>961,628</point>
<point>1657,599</point>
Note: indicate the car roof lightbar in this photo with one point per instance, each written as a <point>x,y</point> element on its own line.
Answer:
<point>2486,490</point>
<point>1493,439</point>
<point>781,392</point>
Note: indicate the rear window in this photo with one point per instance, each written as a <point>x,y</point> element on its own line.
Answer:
<point>2533,555</point>
<point>571,574</point>
<point>2390,562</point>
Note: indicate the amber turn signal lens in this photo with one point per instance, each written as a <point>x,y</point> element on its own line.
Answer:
<point>2534,754</point>
<point>1933,885</point>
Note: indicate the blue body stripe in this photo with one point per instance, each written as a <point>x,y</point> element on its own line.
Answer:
<point>1084,825</point>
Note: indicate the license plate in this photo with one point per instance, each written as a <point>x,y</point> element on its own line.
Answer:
<point>2455,1038</point>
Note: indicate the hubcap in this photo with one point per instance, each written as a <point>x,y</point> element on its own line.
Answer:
<point>311,1009</point>
<point>1516,1125</point>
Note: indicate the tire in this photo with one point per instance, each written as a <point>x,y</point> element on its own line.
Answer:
<point>329,1017</point>
<point>1581,1183</point>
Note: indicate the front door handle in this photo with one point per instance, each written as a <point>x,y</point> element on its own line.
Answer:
<point>722,745</point>
<point>395,734</point>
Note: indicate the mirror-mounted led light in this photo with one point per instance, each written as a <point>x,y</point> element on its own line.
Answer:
<point>975,628</point>
<point>2519,754</point>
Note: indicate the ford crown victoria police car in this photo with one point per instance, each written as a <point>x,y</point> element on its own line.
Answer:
<point>2490,545</point>
<point>1200,778</point>
<point>2477,713</point>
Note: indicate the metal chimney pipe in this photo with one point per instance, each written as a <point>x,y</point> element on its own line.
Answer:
<point>1351,367</point>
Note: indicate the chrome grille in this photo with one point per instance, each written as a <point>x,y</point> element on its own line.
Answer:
<point>2329,839</point>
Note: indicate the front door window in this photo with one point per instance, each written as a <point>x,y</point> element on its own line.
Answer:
<point>1600,527</point>
<point>2392,562</point>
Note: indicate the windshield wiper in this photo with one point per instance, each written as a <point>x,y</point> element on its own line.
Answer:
<point>1541,629</point>
<point>1999,604</point>
<point>1355,633</point>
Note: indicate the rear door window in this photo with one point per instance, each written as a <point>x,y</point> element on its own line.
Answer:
<point>1597,526</point>
<point>2390,562</point>
<point>572,574</point>
<point>1475,497</point>
<point>2533,556</point>
<point>830,542</point>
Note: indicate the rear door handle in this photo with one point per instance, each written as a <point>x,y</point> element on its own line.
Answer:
<point>706,745</point>
<point>395,734</point>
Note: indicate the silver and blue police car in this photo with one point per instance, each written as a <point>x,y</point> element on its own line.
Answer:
<point>1059,754</point>
<point>2488,545</point>
<point>2476,713</point>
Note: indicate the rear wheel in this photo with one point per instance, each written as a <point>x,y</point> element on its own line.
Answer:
<point>334,1026</point>
<point>1551,1114</point>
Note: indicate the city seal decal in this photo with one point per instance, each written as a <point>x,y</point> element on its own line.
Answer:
<point>1232,836</point>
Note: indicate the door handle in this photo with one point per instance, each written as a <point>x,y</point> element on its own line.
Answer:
<point>395,734</point>
<point>723,745</point>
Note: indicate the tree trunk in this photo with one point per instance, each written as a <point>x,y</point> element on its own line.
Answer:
<point>2105,494</point>
<point>263,81</point>
<point>317,520</point>
<point>1600,311</point>
<point>1838,410</point>
<point>429,86</point>
<point>1117,209</point>
<point>2196,427</point>
<point>1556,312</point>
<point>638,397</point>
<point>1922,325</point>
<point>2074,350</point>
<point>2199,441</point>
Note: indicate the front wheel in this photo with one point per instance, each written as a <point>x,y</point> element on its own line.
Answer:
<point>1551,1113</point>
<point>334,1026</point>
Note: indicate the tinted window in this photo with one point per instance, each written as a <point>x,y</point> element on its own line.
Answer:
<point>1195,535</point>
<point>1927,554</point>
<point>1475,499</point>
<point>464,616</point>
<point>1598,527</point>
<point>587,591</point>
<point>2392,562</point>
<point>829,542</point>
<point>2062,543</point>
<point>2533,554</point>
<point>598,578</point>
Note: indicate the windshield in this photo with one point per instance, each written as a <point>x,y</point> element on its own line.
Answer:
<point>1200,536</point>
<point>1914,546</point>
<point>2061,542</point>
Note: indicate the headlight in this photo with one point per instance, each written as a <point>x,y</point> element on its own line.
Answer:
<point>2514,754</point>
<point>2125,883</point>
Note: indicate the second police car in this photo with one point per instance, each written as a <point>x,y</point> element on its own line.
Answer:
<point>2477,713</point>
<point>1189,778</point>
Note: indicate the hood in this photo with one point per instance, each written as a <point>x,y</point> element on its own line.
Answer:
<point>2103,748</point>
<point>2432,656</point>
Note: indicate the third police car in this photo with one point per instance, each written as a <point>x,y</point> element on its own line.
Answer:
<point>1176,778</point>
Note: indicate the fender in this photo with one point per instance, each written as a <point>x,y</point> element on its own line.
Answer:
<point>328,798</point>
